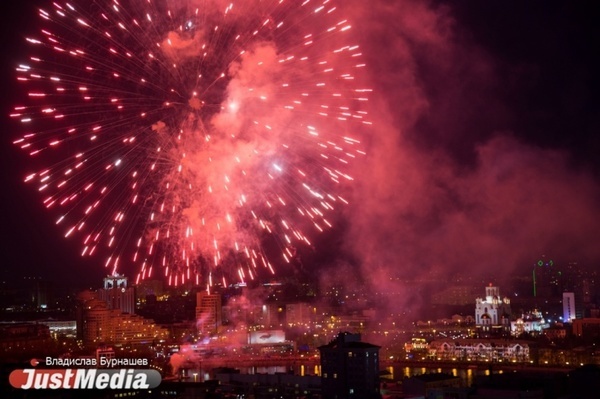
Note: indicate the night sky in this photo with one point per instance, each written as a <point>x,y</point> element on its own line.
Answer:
<point>484,153</point>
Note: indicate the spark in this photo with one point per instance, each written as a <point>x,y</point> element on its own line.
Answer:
<point>183,140</point>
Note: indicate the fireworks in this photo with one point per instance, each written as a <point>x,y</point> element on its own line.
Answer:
<point>177,135</point>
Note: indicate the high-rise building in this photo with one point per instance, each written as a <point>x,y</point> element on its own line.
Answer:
<point>107,316</point>
<point>299,314</point>
<point>117,294</point>
<point>581,281</point>
<point>41,293</point>
<point>546,281</point>
<point>208,313</point>
<point>492,313</point>
<point>349,368</point>
<point>568,307</point>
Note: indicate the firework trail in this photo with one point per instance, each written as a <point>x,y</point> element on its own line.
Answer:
<point>177,135</point>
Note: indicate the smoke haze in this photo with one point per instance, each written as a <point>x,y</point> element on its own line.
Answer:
<point>448,186</point>
<point>480,114</point>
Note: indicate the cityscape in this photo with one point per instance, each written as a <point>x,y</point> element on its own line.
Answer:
<point>536,335</point>
<point>315,199</point>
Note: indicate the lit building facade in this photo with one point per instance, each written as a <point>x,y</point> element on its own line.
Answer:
<point>480,350</point>
<point>117,294</point>
<point>208,313</point>
<point>568,307</point>
<point>531,322</point>
<point>492,313</point>
<point>269,342</point>
<point>111,326</point>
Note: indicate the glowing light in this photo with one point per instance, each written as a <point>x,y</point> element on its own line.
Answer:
<point>183,140</point>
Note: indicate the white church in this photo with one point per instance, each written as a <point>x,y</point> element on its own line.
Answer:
<point>492,314</point>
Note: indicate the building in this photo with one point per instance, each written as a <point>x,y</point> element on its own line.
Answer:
<point>104,353</point>
<point>208,313</point>
<point>546,282</point>
<point>269,342</point>
<point>98,324</point>
<point>556,331</point>
<point>66,328</point>
<point>149,288</point>
<point>117,294</point>
<point>299,314</point>
<point>530,322</point>
<point>349,368</point>
<point>455,295</point>
<point>41,293</point>
<point>583,283</point>
<point>20,338</point>
<point>568,307</point>
<point>483,350</point>
<point>587,328</point>
<point>492,314</point>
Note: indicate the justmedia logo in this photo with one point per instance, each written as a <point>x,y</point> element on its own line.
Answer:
<point>84,379</point>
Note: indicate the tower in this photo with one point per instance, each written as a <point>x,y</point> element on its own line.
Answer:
<point>568,307</point>
<point>117,294</point>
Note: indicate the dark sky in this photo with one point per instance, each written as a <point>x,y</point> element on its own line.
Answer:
<point>31,246</point>
<point>485,154</point>
<point>545,58</point>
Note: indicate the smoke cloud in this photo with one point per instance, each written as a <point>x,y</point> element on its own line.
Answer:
<point>448,187</point>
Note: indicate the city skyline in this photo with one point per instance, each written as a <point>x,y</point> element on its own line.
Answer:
<point>483,155</point>
<point>261,334</point>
